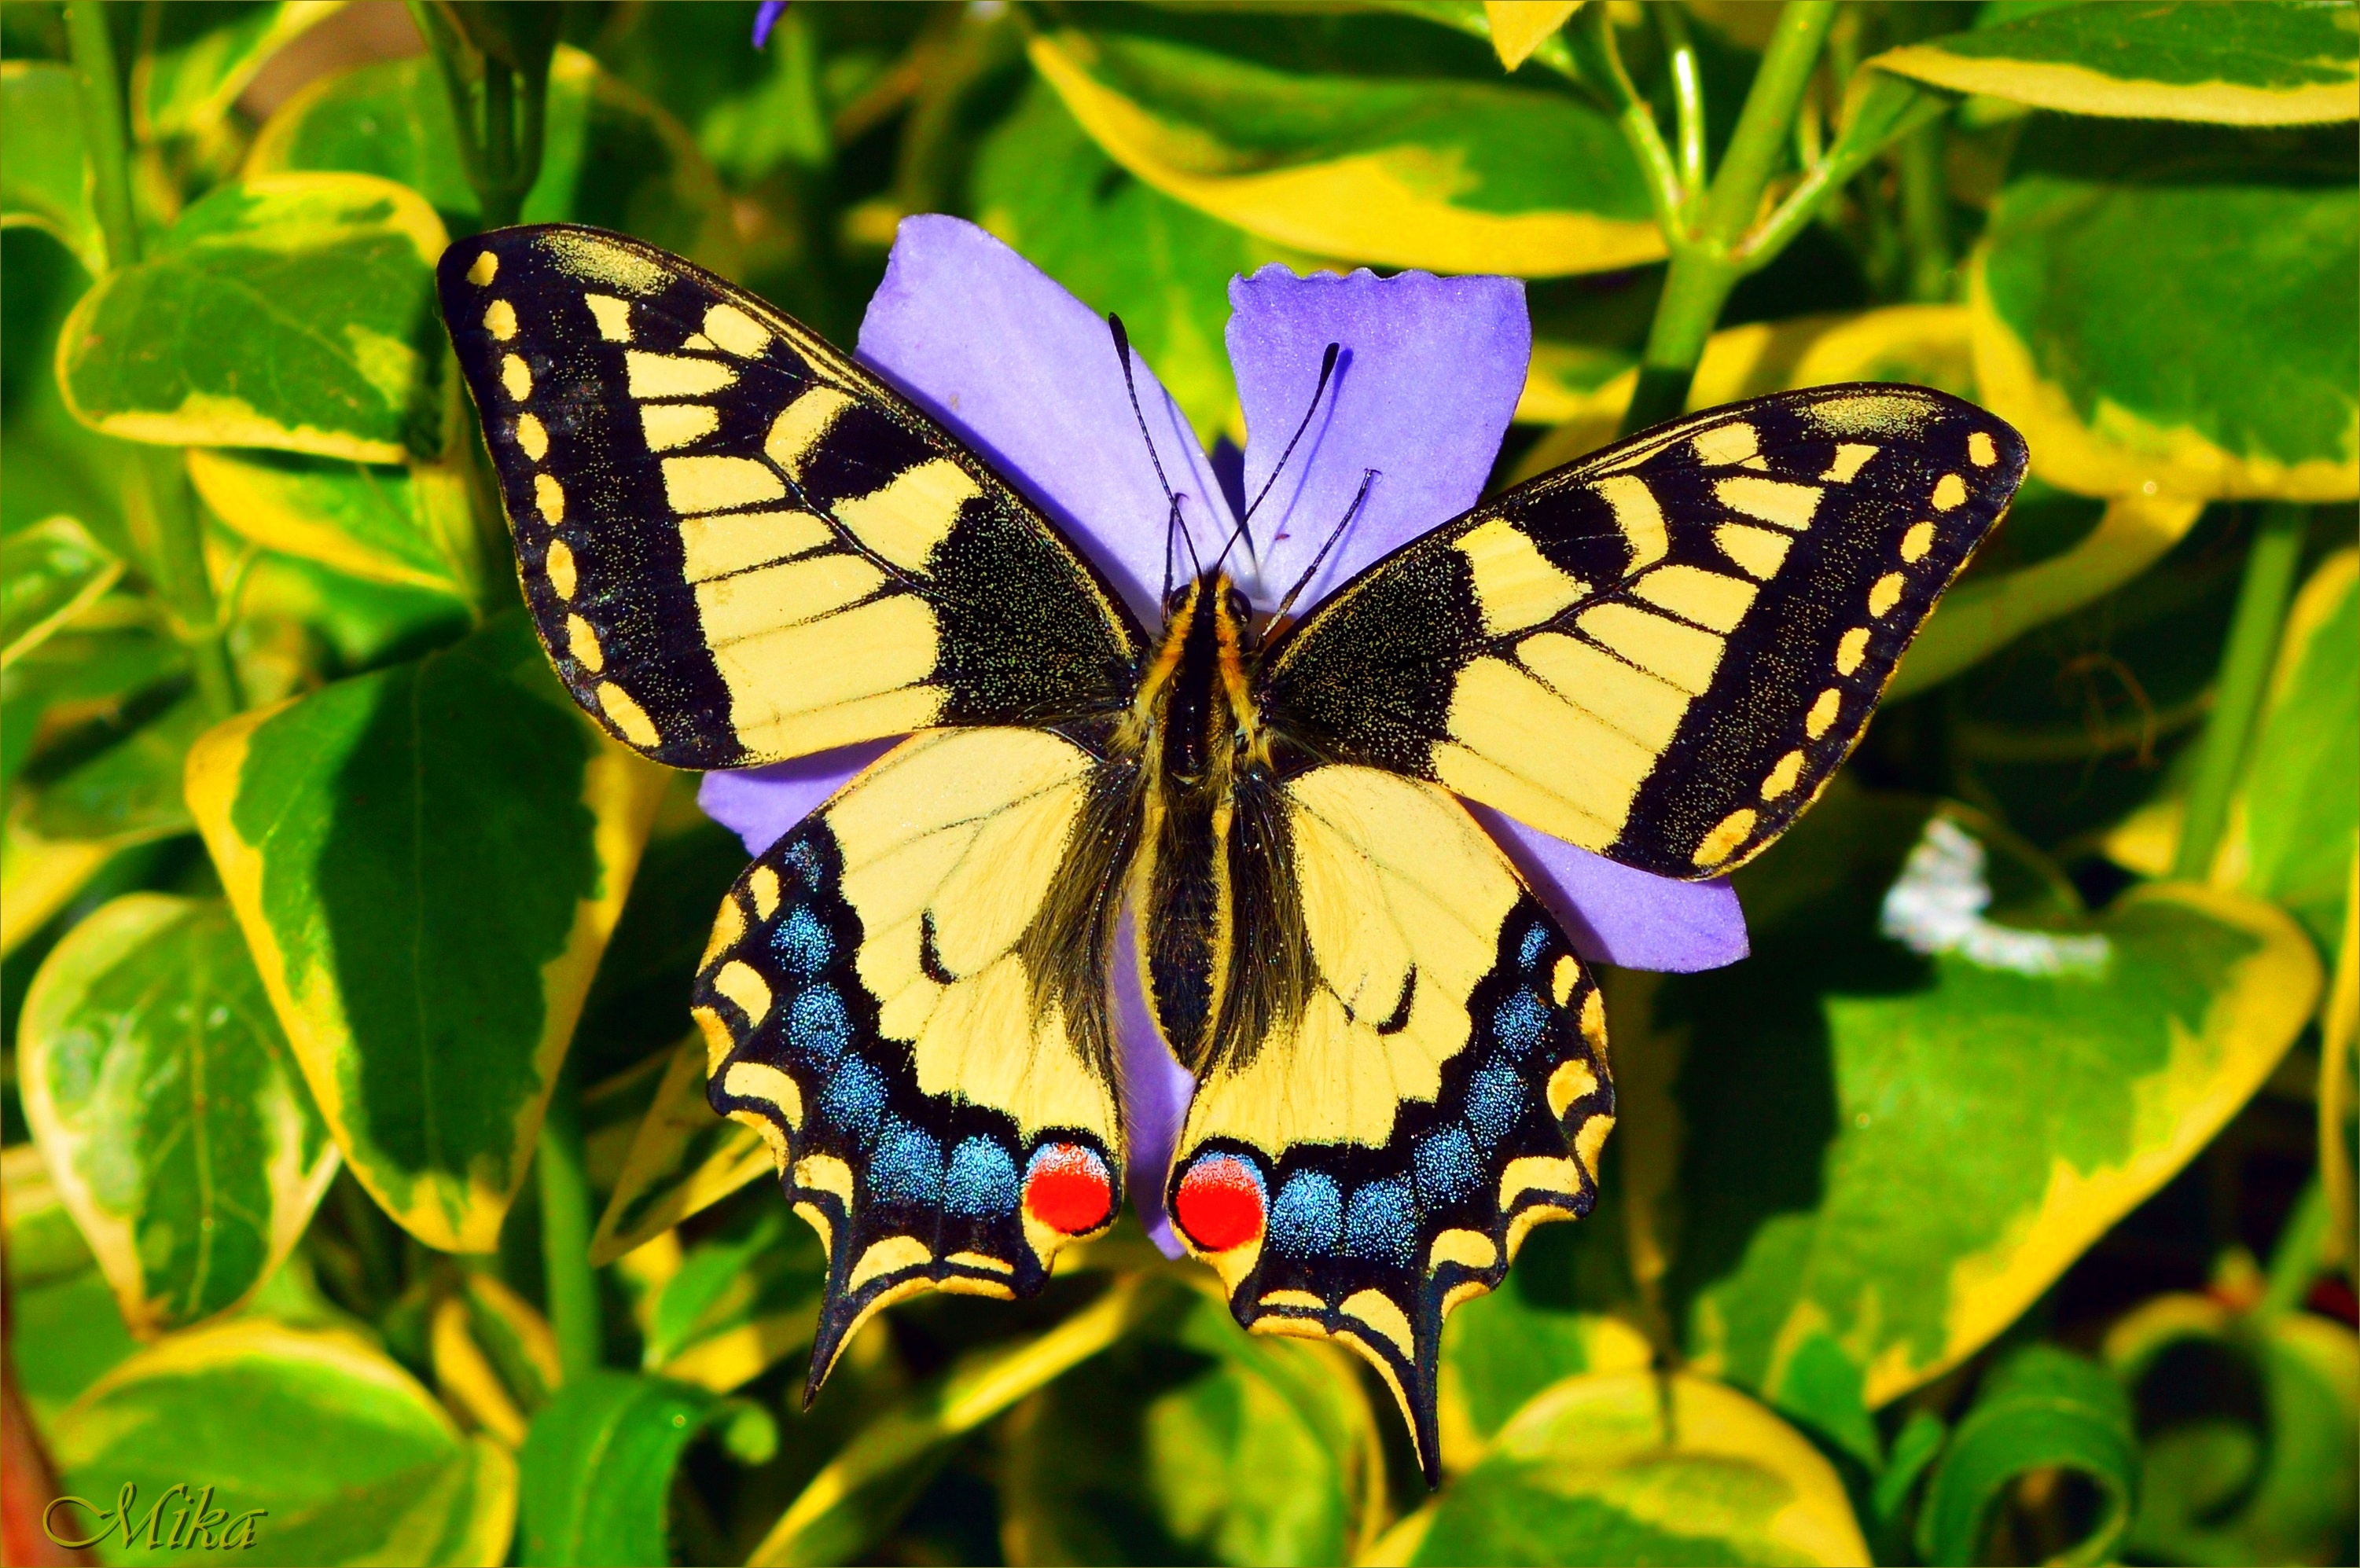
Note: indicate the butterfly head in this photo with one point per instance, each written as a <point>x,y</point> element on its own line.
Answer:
<point>1194,708</point>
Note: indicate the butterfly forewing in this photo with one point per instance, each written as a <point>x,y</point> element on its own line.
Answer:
<point>1661,652</point>
<point>738,544</point>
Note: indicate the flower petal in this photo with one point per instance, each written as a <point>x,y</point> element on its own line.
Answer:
<point>1155,1092</point>
<point>761,805</point>
<point>1025,373</point>
<point>1616,915</point>
<point>1428,377</point>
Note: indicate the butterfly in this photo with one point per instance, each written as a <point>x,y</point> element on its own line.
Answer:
<point>740,546</point>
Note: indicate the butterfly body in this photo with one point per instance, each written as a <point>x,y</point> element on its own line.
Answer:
<point>740,545</point>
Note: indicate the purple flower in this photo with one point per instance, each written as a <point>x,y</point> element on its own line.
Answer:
<point>1425,383</point>
<point>766,17</point>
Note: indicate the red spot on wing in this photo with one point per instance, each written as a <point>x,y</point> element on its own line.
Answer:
<point>1067,1187</point>
<point>1219,1204</point>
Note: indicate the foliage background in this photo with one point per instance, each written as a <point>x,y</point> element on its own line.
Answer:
<point>1999,1209</point>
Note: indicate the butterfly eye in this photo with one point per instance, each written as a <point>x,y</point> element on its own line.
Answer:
<point>1239,609</point>
<point>1178,598</point>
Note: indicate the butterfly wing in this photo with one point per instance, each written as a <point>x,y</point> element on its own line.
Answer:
<point>1661,652</point>
<point>738,545</point>
<point>1366,1165</point>
<point>906,998</point>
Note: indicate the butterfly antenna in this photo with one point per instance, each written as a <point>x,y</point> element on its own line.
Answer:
<point>1327,371</point>
<point>1172,517</point>
<point>1367,478</point>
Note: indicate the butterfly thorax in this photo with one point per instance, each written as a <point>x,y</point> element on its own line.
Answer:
<point>1192,721</point>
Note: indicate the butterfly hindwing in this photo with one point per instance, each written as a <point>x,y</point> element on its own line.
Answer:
<point>1661,652</point>
<point>738,545</point>
<point>1361,1169</point>
<point>905,997</point>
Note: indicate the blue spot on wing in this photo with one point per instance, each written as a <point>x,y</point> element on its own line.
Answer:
<point>1535,944</point>
<point>1381,1223</point>
<point>1307,1220</point>
<point>1495,1098</point>
<point>1447,1168</point>
<point>982,1180</point>
<point>906,1165</point>
<point>818,1029</point>
<point>803,942</point>
<point>800,861</point>
<point>1519,1022</point>
<point>855,1098</point>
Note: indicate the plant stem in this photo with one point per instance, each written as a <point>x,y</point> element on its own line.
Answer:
<point>2294,1261</point>
<point>155,502</point>
<point>1762,125</point>
<point>572,1290</point>
<point>100,97</point>
<point>1926,215</point>
<point>1707,261</point>
<point>1687,93</point>
<point>164,522</point>
<point>1591,41</point>
<point>2237,692</point>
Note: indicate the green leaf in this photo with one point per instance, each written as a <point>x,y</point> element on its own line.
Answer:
<point>857,1496</point>
<point>125,791</point>
<point>1630,1467</point>
<point>597,1465</point>
<point>54,463</point>
<point>91,672</point>
<point>348,1460</point>
<point>169,1108</point>
<point>1383,167</point>
<point>44,181</point>
<point>2296,806</point>
<point>1501,1349</point>
<point>49,574</point>
<point>364,623</point>
<point>397,526</point>
<point>427,862</point>
<point>2041,1409</point>
<point>683,1160</point>
<point>186,85</point>
<point>291,312</point>
<point>64,1328</point>
<point>741,1301</point>
<point>1119,244</point>
<point>1192,1443</point>
<point>1519,29</point>
<point>2120,293</point>
<point>1988,610</point>
<point>1935,1084</point>
<point>2254,64</point>
<point>2227,1476</point>
<point>609,155</point>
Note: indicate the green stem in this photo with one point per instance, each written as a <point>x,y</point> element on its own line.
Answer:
<point>500,112</point>
<point>165,523</point>
<point>1926,215</point>
<point>572,1290</point>
<point>1687,93</point>
<point>1708,262</point>
<point>2295,1261</point>
<point>156,504</point>
<point>1755,145</point>
<point>1600,63</point>
<point>100,95</point>
<point>2237,692</point>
